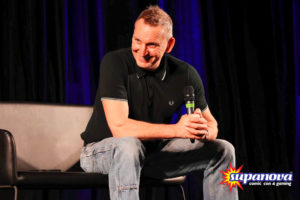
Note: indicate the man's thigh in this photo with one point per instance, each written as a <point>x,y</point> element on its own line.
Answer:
<point>95,157</point>
<point>100,156</point>
<point>180,157</point>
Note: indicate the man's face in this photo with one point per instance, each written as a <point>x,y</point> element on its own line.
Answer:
<point>149,43</point>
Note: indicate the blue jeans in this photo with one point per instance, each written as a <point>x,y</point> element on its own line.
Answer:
<point>125,159</point>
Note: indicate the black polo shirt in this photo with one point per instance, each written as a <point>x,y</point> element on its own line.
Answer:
<point>152,96</point>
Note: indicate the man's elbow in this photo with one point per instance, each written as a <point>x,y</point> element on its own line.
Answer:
<point>117,128</point>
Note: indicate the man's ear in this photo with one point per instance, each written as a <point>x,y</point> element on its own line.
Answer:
<point>170,45</point>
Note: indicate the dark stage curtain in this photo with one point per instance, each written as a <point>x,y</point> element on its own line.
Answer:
<point>32,51</point>
<point>243,50</point>
<point>251,84</point>
<point>296,17</point>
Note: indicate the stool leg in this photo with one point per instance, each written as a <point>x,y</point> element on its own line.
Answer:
<point>15,190</point>
<point>182,190</point>
<point>15,193</point>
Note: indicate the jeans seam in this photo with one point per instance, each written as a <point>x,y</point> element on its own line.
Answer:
<point>210,172</point>
<point>127,187</point>
<point>117,177</point>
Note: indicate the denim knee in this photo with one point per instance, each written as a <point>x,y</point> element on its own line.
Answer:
<point>227,150</point>
<point>130,148</point>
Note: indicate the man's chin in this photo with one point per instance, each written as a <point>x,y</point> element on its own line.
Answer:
<point>144,65</point>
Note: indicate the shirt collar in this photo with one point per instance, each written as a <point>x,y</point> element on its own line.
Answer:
<point>159,73</point>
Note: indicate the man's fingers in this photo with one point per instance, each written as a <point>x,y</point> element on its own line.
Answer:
<point>198,112</point>
<point>195,132</point>
<point>192,133</point>
<point>196,118</point>
<point>197,126</point>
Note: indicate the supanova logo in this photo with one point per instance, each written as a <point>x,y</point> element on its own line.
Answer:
<point>234,177</point>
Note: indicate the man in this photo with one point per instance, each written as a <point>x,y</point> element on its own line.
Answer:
<point>130,134</point>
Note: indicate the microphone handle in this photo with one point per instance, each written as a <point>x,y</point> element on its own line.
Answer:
<point>190,110</point>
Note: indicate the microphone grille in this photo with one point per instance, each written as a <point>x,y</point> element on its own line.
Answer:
<point>189,94</point>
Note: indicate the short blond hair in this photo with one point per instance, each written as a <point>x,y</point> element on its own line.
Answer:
<point>155,16</point>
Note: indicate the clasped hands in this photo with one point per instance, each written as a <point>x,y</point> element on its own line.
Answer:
<point>193,126</point>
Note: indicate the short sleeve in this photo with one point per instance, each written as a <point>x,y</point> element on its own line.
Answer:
<point>195,80</point>
<point>113,77</point>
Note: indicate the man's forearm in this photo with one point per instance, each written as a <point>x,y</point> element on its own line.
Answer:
<point>144,130</point>
<point>116,113</point>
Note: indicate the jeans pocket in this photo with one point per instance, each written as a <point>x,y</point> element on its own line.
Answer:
<point>102,162</point>
<point>86,163</point>
<point>86,159</point>
<point>96,158</point>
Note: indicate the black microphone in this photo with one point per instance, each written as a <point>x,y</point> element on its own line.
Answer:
<point>189,98</point>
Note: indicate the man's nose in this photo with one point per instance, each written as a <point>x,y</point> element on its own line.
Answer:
<point>143,50</point>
